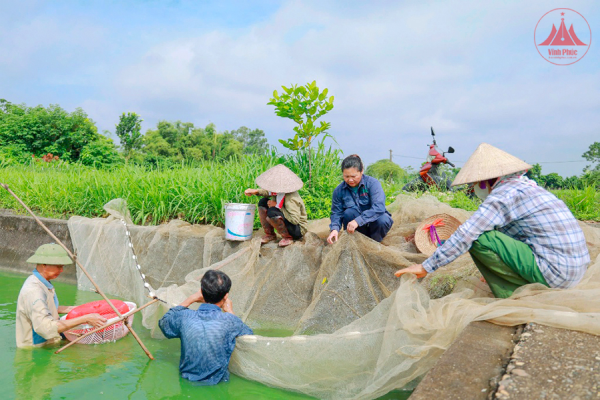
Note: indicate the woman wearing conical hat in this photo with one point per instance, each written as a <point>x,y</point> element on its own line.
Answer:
<point>281,207</point>
<point>520,234</point>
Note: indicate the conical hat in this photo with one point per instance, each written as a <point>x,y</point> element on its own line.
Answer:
<point>488,162</point>
<point>445,230</point>
<point>279,179</point>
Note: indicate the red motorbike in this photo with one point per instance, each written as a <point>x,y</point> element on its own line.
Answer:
<point>430,174</point>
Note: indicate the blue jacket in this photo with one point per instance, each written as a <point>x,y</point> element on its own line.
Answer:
<point>369,201</point>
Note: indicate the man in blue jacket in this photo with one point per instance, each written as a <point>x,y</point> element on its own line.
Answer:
<point>358,204</point>
<point>207,334</point>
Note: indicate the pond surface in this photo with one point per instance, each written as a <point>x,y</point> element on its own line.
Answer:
<point>117,370</point>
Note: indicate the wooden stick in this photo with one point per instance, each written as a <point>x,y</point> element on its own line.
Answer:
<point>41,224</point>
<point>139,340</point>
<point>126,315</point>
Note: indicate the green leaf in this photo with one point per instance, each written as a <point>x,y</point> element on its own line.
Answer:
<point>275,95</point>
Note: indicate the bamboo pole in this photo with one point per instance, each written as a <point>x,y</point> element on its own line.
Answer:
<point>41,224</point>
<point>119,319</point>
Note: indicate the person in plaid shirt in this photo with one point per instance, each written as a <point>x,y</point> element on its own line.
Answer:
<point>520,234</point>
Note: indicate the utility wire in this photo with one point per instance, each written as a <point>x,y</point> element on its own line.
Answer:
<point>538,162</point>
<point>559,162</point>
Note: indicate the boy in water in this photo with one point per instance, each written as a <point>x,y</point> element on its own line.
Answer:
<point>207,334</point>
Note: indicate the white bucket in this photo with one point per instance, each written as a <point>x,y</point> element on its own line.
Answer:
<point>239,221</point>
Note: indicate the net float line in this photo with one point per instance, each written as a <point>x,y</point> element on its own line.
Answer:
<point>137,264</point>
<point>74,258</point>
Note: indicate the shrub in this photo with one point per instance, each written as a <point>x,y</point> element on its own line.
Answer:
<point>386,170</point>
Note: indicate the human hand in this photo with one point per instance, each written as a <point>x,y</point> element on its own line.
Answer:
<point>228,306</point>
<point>198,297</point>
<point>271,203</point>
<point>416,269</point>
<point>333,237</point>
<point>251,192</point>
<point>194,298</point>
<point>95,320</point>
<point>352,225</point>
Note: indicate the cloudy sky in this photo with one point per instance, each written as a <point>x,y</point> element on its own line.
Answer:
<point>468,68</point>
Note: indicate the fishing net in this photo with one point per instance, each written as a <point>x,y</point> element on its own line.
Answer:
<point>108,334</point>
<point>358,331</point>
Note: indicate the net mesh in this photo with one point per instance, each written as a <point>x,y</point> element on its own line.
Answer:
<point>359,332</point>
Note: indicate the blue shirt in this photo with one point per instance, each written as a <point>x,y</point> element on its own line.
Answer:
<point>532,215</point>
<point>207,340</point>
<point>368,200</point>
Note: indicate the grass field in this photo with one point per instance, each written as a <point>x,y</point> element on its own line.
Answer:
<point>197,194</point>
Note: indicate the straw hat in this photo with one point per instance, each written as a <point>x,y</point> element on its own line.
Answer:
<point>279,179</point>
<point>50,254</point>
<point>422,234</point>
<point>488,162</point>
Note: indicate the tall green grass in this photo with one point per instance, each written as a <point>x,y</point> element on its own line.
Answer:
<point>583,203</point>
<point>196,195</point>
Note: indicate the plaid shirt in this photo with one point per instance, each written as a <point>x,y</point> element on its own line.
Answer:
<point>532,215</point>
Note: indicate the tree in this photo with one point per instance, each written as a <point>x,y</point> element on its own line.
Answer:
<point>304,105</point>
<point>386,170</point>
<point>571,182</point>
<point>254,141</point>
<point>40,130</point>
<point>593,155</point>
<point>129,132</point>
<point>178,141</point>
<point>535,173</point>
<point>100,153</point>
<point>553,181</point>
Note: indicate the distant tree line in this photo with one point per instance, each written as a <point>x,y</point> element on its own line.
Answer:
<point>52,134</point>
<point>590,177</point>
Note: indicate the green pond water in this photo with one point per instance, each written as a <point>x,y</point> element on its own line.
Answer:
<point>117,370</point>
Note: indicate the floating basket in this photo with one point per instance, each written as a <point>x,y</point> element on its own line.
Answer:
<point>423,235</point>
<point>109,334</point>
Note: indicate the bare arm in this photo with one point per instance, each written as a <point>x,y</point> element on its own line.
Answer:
<point>96,320</point>
<point>195,298</point>
<point>65,309</point>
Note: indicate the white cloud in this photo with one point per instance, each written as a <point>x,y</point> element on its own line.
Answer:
<point>465,67</point>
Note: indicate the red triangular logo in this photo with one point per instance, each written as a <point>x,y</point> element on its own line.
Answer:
<point>562,37</point>
<point>575,38</point>
<point>549,38</point>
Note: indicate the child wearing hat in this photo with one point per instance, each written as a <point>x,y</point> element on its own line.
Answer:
<point>281,207</point>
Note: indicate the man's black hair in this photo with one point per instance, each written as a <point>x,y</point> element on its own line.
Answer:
<point>352,161</point>
<point>215,285</point>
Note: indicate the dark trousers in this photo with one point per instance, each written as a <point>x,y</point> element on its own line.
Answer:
<point>274,212</point>
<point>376,230</point>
